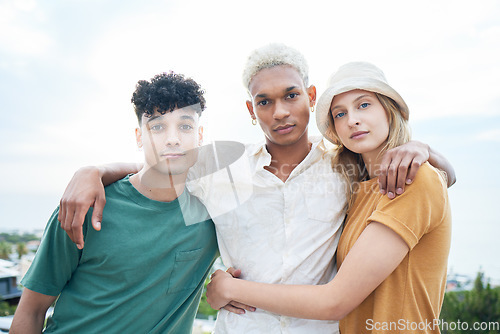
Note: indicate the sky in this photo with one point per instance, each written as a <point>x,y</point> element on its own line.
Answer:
<point>68,69</point>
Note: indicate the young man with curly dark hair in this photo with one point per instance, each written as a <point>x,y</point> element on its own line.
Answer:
<point>144,271</point>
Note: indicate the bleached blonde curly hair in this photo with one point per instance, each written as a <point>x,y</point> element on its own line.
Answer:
<point>271,55</point>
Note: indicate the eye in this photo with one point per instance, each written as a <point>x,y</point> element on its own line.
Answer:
<point>364,105</point>
<point>186,127</point>
<point>156,127</point>
<point>262,103</point>
<point>292,95</point>
<point>339,115</point>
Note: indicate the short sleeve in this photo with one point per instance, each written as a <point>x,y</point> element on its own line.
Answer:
<point>55,260</point>
<point>418,210</point>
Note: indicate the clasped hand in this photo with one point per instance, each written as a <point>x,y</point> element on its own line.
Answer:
<point>218,292</point>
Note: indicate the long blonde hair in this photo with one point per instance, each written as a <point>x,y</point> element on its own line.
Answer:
<point>350,165</point>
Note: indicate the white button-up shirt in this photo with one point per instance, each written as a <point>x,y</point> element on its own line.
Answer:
<point>275,231</point>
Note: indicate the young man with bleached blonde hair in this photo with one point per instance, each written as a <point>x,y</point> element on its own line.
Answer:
<point>272,55</point>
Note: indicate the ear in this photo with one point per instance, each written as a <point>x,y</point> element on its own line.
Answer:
<point>200,135</point>
<point>250,109</point>
<point>311,92</point>
<point>138,137</point>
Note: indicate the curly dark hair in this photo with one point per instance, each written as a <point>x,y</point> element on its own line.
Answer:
<point>166,92</point>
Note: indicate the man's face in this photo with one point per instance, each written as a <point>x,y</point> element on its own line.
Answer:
<point>170,141</point>
<point>281,104</point>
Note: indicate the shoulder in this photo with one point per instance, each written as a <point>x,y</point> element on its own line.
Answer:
<point>118,190</point>
<point>422,206</point>
<point>428,179</point>
<point>216,156</point>
<point>429,186</point>
<point>117,185</point>
<point>252,149</point>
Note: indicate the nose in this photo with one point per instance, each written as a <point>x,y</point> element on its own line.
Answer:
<point>352,119</point>
<point>172,138</point>
<point>280,111</point>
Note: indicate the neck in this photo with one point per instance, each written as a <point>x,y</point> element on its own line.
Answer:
<point>284,158</point>
<point>372,164</point>
<point>158,186</point>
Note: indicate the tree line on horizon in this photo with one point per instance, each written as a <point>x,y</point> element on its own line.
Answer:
<point>8,241</point>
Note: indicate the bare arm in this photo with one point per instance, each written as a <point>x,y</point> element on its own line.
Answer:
<point>30,313</point>
<point>86,189</point>
<point>399,166</point>
<point>375,255</point>
<point>438,160</point>
<point>116,171</point>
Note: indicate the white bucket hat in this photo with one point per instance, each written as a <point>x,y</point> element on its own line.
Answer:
<point>351,76</point>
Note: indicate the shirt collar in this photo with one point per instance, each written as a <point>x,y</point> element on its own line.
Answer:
<point>263,158</point>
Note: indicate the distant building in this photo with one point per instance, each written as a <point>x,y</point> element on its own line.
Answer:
<point>33,245</point>
<point>9,290</point>
<point>24,265</point>
<point>458,282</point>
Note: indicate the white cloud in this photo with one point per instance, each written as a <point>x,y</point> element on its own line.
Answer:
<point>489,135</point>
<point>21,33</point>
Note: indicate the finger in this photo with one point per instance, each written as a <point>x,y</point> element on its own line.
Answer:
<point>69,211</point>
<point>392,175</point>
<point>233,309</point>
<point>234,272</point>
<point>62,213</point>
<point>415,166</point>
<point>242,306</point>
<point>218,271</point>
<point>403,170</point>
<point>67,223</point>
<point>77,227</point>
<point>97,214</point>
<point>382,178</point>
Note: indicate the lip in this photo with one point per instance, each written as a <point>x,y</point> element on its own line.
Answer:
<point>359,134</point>
<point>284,129</point>
<point>172,156</point>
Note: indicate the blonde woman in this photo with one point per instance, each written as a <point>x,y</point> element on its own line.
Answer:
<point>393,254</point>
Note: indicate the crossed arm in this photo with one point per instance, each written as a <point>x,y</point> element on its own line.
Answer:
<point>30,313</point>
<point>374,256</point>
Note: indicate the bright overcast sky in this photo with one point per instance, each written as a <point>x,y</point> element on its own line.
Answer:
<point>68,69</point>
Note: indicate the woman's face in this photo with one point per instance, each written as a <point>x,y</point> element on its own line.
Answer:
<point>361,122</point>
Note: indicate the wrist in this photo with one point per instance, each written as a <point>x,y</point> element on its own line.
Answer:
<point>91,171</point>
<point>432,157</point>
<point>101,171</point>
<point>231,289</point>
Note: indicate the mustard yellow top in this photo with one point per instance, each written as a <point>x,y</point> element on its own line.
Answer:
<point>408,300</point>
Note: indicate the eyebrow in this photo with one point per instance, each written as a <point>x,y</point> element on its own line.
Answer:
<point>361,97</point>
<point>153,118</point>
<point>355,100</point>
<point>191,118</point>
<point>183,117</point>
<point>286,91</point>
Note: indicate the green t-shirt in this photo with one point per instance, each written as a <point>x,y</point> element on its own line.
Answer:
<point>142,273</point>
